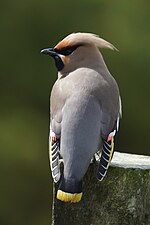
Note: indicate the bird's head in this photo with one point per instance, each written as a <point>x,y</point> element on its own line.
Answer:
<point>76,50</point>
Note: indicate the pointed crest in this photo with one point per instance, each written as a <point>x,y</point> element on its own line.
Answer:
<point>84,38</point>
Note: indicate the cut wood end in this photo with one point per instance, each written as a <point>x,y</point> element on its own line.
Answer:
<point>133,161</point>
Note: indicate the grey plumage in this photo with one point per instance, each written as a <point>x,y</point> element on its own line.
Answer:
<point>84,106</point>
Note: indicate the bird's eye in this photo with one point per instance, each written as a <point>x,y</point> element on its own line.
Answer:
<point>68,50</point>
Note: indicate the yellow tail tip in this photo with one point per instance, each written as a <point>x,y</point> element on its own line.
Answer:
<point>68,197</point>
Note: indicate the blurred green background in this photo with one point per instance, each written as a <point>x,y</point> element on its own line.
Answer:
<point>26,78</point>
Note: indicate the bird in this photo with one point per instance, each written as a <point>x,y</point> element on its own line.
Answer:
<point>85,110</point>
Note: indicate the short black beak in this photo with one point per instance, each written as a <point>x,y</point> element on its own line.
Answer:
<point>58,61</point>
<point>49,51</point>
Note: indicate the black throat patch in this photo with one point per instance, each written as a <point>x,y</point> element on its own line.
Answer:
<point>58,62</point>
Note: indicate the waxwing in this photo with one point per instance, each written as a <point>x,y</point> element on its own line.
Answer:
<point>85,109</point>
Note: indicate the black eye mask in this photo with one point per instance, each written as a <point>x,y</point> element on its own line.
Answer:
<point>68,50</point>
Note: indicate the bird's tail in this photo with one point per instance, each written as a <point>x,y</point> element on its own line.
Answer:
<point>70,190</point>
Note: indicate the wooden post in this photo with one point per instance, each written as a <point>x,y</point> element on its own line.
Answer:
<point>122,198</point>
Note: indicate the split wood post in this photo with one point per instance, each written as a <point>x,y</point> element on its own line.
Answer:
<point>122,198</point>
